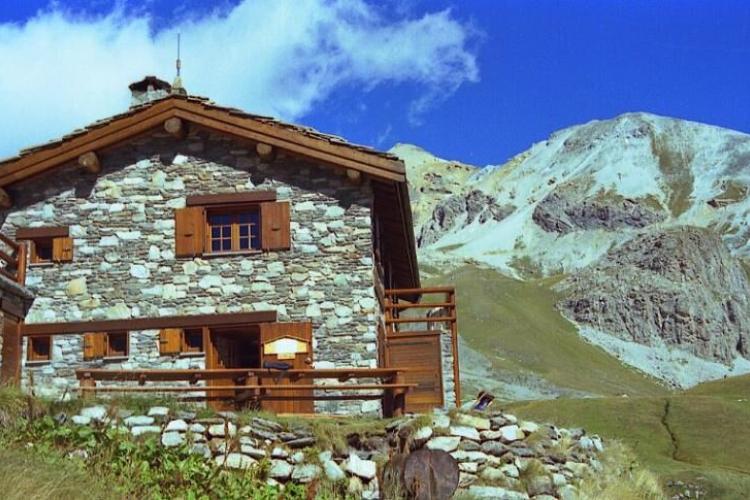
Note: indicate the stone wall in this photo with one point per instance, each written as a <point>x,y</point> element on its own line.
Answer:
<point>124,265</point>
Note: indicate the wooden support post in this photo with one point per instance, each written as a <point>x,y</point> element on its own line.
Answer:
<point>399,396</point>
<point>266,152</point>
<point>451,296</point>
<point>5,200</point>
<point>88,386</point>
<point>21,257</point>
<point>90,162</point>
<point>176,127</point>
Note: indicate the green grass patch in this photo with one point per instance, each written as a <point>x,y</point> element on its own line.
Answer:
<point>517,326</point>
<point>701,439</point>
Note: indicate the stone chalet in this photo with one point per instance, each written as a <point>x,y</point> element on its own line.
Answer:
<point>181,246</point>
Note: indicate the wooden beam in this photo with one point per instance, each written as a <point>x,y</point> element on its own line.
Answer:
<point>230,198</point>
<point>211,320</point>
<point>176,127</point>
<point>5,200</point>
<point>90,162</point>
<point>266,152</point>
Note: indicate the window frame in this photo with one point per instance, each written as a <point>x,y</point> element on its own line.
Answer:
<point>185,348</point>
<point>108,351</point>
<point>234,211</point>
<point>32,355</point>
<point>34,258</point>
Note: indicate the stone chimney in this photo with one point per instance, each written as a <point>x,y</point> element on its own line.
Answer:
<point>148,89</point>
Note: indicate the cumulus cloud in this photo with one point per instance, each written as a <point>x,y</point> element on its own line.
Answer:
<point>60,70</point>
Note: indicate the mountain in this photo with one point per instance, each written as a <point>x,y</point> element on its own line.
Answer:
<point>641,220</point>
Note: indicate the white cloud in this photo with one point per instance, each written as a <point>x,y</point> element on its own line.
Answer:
<point>59,71</point>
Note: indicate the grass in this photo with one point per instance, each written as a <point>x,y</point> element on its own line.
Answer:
<point>702,439</point>
<point>516,325</point>
<point>27,475</point>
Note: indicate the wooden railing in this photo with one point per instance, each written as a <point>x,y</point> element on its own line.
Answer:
<point>256,384</point>
<point>403,317</point>
<point>12,260</point>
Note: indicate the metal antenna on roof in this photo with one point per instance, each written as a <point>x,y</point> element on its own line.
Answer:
<point>177,87</point>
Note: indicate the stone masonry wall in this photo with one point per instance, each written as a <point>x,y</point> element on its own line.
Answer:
<point>124,266</point>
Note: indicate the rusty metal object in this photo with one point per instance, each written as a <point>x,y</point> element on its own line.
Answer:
<point>430,475</point>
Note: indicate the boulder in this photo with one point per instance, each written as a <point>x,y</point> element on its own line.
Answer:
<point>333,471</point>
<point>81,420</point>
<point>511,433</point>
<point>139,430</point>
<point>138,420</point>
<point>158,412</point>
<point>222,430</point>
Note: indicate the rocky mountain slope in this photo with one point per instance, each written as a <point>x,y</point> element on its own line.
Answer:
<point>645,217</point>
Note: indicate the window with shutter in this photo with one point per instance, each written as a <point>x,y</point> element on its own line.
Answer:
<point>47,244</point>
<point>39,348</point>
<point>94,345</point>
<point>232,223</point>
<point>169,340</point>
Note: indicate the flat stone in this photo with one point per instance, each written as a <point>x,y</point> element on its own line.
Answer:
<point>280,470</point>
<point>333,471</point>
<point>366,469</point>
<point>138,420</point>
<point>539,485</point>
<point>528,427</point>
<point>139,271</point>
<point>222,430</point>
<point>470,467</point>
<point>490,435</point>
<point>303,442</point>
<point>197,428</point>
<point>158,412</point>
<point>479,423</point>
<point>423,433</point>
<point>297,457</point>
<point>445,443</point>
<point>235,461</point>
<point>76,286</point>
<point>511,433</point>
<point>171,439</point>
<point>186,415</point>
<point>496,493</point>
<point>465,432</point>
<point>305,473</point>
<point>494,448</point>
<point>252,451</point>
<point>260,433</point>
<point>567,492</point>
<point>96,413</point>
<point>176,426</point>
<point>201,449</point>
<point>279,452</point>
<point>268,424</point>
<point>81,420</point>
<point>139,430</point>
<point>440,421</point>
<point>469,456</point>
<point>468,445</point>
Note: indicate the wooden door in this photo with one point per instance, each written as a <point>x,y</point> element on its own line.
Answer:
<point>299,401</point>
<point>420,352</point>
<point>11,352</point>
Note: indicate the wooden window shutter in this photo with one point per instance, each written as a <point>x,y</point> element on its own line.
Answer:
<point>170,340</point>
<point>62,249</point>
<point>275,225</point>
<point>189,229</point>
<point>94,345</point>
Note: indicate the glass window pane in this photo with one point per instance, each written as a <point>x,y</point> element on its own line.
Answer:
<point>244,230</point>
<point>215,245</point>
<point>215,232</point>
<point>226,245</point>
<point>244,243</point>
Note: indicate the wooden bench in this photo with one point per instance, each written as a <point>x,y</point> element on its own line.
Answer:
<point>254,384</point>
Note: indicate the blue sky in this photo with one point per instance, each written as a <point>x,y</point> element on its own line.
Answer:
<point>477,81</point>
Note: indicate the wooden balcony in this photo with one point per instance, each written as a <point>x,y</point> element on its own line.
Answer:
<point>411,337</point>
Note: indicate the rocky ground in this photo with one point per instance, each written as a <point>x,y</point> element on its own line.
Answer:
<point>498,455</point>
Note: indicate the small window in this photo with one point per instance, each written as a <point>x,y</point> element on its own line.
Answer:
<point>117,345</point>
<point>41,251</point>
<point>39,348</point>
<point>234,231</point>
<point>192,340</point>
